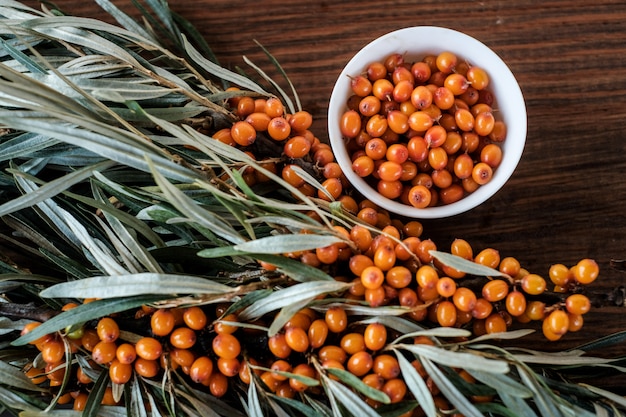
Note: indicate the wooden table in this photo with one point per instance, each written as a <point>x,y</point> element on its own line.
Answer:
<point>566,199</point>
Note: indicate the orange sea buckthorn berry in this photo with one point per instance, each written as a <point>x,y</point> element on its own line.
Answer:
<point>360,363</point>
<point>274,107</point>
<point>446,313</point>
<point>336,319</point>
<point>559,274</point>
<point>533,284</point>
<point>218,384</point>
<point>201,369</point>
<point>488,257</point>
<point>482,173</point>
<point>477,77</point>
<point>557,322</point>
<point>104,352</point>
<point>446,62</point>
<point>195,318</point>
<point>162,322</point>
<point>576,322</point>
<point>535,310</point>
<point>419,196</point>
<point>586,271</point>
<point>515,303</point>
<point>146,367</point>
<point>386,366</point>
<point>317,333</point>
<point>301,120</point>
<point>372,277</point>
<point>578,304</point>
<point>333,189</point>
<point>80,402</point>
<point>297,339</point>
<point>495,290</point>
<point>229,367</point>
<point>495,323</point>
<point>482,309</point>
<point>278,346</point>
<point>37,376</point>
<point>302,369</point>
<point>398,277</point>
<point>446,287</point>
<point>462,248</point>
<point>509,266</point>
<point>226,346</point>
<point>126,353</point>
<point>395,389</point>
<point>296,147</point>
<point>427,276</point>
<point>53,351</point>
<point>89,339</point>
<point>278,128</point>
<point>148,348</point>
<point>28,327</point>
<point>352,343</point>
<point>375,336</point>
<point>107,329</point>
<point>183,338</point>
<point>464,299</point>
<point>243,133</point>
<point>119,372</point>
<point>498,133</point>
<point>360,85</point>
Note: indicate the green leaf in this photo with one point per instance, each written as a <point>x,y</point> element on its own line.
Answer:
<point>284,315</point>
<point>297,405</point>
<point>517,405</point>
<point>617,399</point>
<point>464,265</point>
<point>52,188</point>
<point>416,384</point>
<point>290,295</point>
<point>435,332</point>
<point>349,399</point>
<point>502,383</point>
<point>135,284</point>
<point>94,400</point>
<point>350,379</point>
<point>497,409</point>
<point>14,377</point>
<point>254,405</point>
<point>544,399</point>
<point>221,72</point>
<point>83,313</point>
<point>454,359</point>
<point>286,243</point>
<point>448,389</point>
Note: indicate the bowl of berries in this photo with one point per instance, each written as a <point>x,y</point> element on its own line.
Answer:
<point>427,122</point>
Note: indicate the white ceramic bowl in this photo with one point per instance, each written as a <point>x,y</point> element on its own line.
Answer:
<point>415,43</point>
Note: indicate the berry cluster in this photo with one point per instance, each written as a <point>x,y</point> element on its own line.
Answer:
<point>424,132</point>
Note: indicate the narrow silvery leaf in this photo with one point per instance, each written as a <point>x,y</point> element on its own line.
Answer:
<point>518,405</point>
<point>14,377</point>
<point>502,383</point>
<point>618,399</point>
<point>83,313</point>
<point>543,399</point>
<point>350,379</point>
<point>350,400</point>
<point>122,18</point>
<point>437,332</point>
<point>221,72</point>
<point>464,265</point>
<point>416,384</point>
<point>453,359</point>
<point>135,284</point>
<point>290,295</point>
<point>51,188</point>
<point>254,405</point>
<point>399,324</point>
<point>284,315</point>
<point>286,243</point>
<point>448,389</point>
<point>190,208</point>
<point>23,145</point>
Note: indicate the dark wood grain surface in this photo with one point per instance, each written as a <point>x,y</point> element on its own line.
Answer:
<point>566,199</point>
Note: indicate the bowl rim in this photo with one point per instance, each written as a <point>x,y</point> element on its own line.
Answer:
<point>467,47</point>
